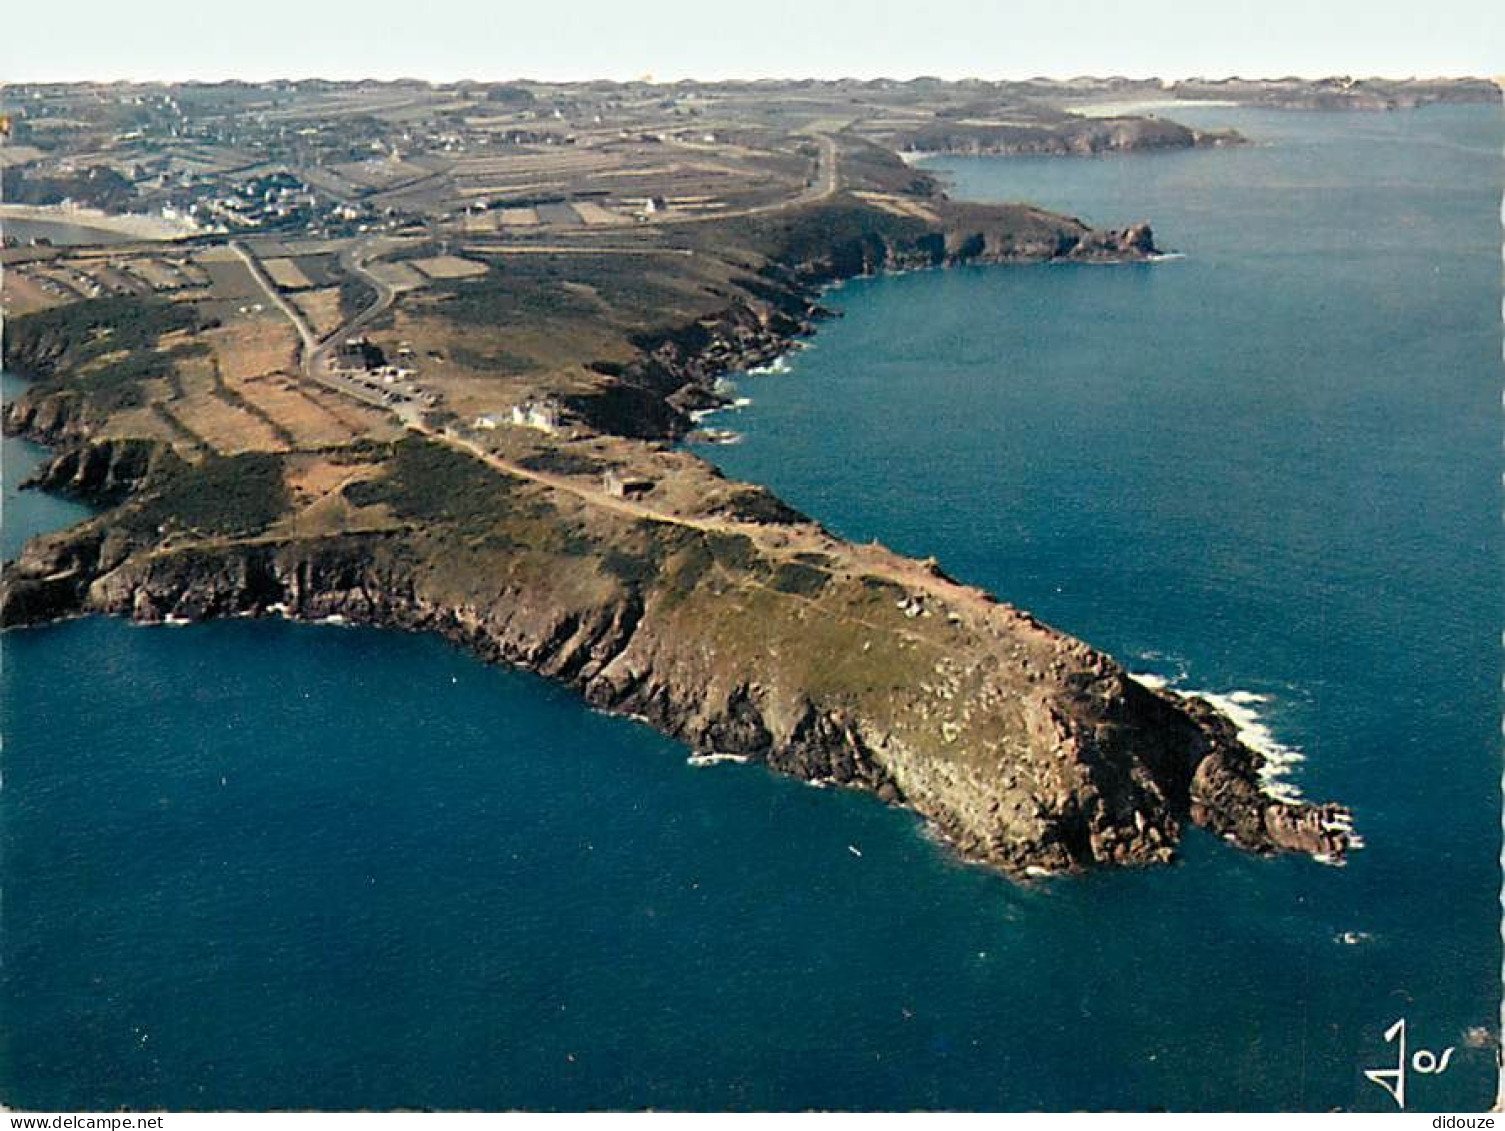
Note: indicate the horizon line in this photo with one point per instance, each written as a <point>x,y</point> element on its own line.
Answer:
<point>650,79</point>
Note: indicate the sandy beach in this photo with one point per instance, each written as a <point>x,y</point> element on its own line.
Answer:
<point>132,225</point>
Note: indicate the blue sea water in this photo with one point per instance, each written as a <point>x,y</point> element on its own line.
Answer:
<point>270,865</point>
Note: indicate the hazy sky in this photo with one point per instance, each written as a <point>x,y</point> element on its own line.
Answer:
<point>670,39</point>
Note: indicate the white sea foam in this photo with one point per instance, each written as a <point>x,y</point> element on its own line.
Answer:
<point>713,759</point>
<point>1241,708</point>
<point>931,831</point>
<point>778,365</point>
<point>701,415</point>
<point>334,619</point>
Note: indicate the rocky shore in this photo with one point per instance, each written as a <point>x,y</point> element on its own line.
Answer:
<point>1027,750</point>
<point>1072,137</point>
<point>1109,775</point>
<point>677,371</point>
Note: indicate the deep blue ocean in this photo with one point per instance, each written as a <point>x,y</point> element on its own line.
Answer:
<point>252,865</point>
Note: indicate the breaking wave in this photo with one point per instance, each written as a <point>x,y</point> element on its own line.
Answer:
<point>1243,710</point>
<point>702,760</point>
<point>778,365</point>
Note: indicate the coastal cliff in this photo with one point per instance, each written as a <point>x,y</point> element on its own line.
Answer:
<point>703,606</point>
<point>1026,749</point>
<point>1069,137</point>
<point>675,370</point>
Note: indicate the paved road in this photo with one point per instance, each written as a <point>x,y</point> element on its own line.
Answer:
<point>823,185</point>
<point>306,335</point>
<point>873,559</point>
<point>828,169</point>
<point>353,262</point>
<point>314,351</point>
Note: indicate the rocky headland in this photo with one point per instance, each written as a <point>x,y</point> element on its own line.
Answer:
<point>1071,136</point>
<point>706,607</point>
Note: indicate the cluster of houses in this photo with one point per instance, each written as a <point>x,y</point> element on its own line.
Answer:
<point>545,415</point>
<point>275,199</point>
<point>268,200</point>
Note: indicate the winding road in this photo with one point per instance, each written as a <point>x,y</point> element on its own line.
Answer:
<point>313,350</point>
<point>777,538</point>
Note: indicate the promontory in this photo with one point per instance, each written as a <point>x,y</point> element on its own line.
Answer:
<point>422,357</point>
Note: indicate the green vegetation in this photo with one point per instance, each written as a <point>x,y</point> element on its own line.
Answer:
<point>633,570</point>
<point>116,385</point>
<point>532,288</point>
<point>78,332</point>
<point>104,348</point>
<point>429,482</point>
<point>355,296</point>
<point>756,504</point>
<point>845,233</point>
<point>221,495</point>
<point>558,461</point>
<point>492,360</point>
<point>733,551</point>
<point>515,288</point>
<point>799,579</point>
<point>363,450</point>
<point>812,558</point>
<point>98,186</point>
<point>882,587</point>
<point>686,570</point>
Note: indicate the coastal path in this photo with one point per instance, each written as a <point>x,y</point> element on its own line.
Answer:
<point>781,540</point>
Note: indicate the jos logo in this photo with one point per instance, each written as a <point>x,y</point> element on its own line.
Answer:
<point>1423,1062</point>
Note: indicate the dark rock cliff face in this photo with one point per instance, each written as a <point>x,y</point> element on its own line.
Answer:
<point>1094,769</point>
<point>101,472</point>
<point>676,371</point>
<point>1072,137</point>
<point>1118,767</point>
<point>55,419</point>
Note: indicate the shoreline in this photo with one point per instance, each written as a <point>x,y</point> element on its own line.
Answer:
<point>135,225</point>
<point>767,354</point>
<point>627,653</point>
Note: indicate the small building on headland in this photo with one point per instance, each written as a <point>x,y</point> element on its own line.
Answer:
<point>543,415</point>
<point>622,486</point>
